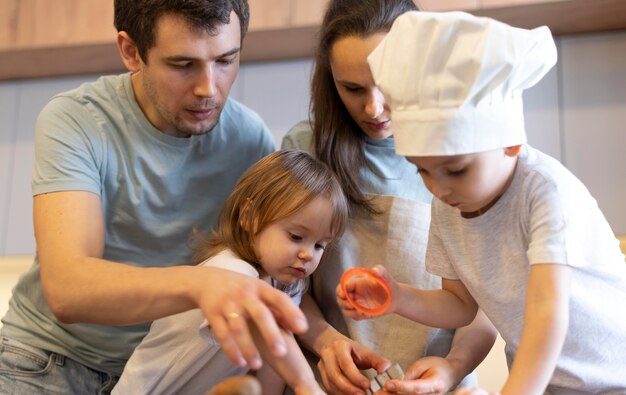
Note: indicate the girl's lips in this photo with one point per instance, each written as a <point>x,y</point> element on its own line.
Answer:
<point>298,271</point>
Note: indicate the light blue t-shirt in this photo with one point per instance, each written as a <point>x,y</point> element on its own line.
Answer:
<point>154,189</point>
<point>386,173</point>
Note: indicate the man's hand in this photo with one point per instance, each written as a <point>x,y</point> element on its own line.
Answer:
<point>229,299</point>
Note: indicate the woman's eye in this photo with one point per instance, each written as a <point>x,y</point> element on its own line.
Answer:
<point>353,89</point>
<point>456,172</point>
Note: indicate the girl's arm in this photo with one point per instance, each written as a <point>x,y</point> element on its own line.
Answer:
<point>340,357</point>
<point>545,327</point>
<point>292,367</point>
<point>271,382</point>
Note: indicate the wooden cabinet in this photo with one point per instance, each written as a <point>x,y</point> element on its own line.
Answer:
<point>43,38</point>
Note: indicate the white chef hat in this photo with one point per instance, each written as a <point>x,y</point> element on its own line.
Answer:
<point>454,81</point>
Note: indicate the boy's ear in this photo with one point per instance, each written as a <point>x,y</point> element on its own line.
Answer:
<point>512,151</point>
<point>128,52</point>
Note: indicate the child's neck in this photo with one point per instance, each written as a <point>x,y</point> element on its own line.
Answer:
<point>492,203</point>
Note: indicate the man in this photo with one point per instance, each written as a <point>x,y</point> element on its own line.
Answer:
<point>126,168</point>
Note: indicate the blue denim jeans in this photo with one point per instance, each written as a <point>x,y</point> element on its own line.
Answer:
<point>30,370</point>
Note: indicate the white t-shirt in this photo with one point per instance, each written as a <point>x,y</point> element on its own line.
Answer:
<point>545,216</point>
<point>180,355</point>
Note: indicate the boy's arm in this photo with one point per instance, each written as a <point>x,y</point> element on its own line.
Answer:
<point>449,307</point>
<point>470,345</point>
<point>452,306</point>
<point>545,327</point>
<point>431,374</point>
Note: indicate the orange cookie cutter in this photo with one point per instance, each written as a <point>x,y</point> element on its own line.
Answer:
<point>370,274</point>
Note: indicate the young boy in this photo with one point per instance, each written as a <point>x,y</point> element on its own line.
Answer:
<point>513,231</point>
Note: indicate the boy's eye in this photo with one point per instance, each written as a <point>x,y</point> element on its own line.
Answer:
<point>456,172</point>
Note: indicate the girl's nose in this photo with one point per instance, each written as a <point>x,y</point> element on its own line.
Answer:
<point>305,254</point>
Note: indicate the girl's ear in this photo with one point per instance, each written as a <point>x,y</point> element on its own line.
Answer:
<point>244,217</point>
<point>512,151</point>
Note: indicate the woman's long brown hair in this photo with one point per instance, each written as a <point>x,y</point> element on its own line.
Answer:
<point>338,140</point>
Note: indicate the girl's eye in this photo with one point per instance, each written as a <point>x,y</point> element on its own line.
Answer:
<point>320,247</point>
<point>295,237</point>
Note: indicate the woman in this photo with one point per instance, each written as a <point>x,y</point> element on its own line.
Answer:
<point>351,131</point>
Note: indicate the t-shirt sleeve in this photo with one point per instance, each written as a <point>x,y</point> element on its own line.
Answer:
<point>546,224</point>
<point>566,225</point>
<point>300,136</point>
<point>68,149</point>
<point>437,260</point>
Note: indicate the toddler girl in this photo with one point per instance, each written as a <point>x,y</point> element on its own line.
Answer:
<point>282,214</point>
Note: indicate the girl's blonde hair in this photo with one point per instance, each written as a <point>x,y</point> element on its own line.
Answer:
<point>272,189</point>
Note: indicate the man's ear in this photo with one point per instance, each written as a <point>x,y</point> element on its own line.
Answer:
<point>512,151</point>
<point>128,52</point>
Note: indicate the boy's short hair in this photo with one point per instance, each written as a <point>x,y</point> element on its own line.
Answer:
<point>138,18</point>
<point>454,81</point>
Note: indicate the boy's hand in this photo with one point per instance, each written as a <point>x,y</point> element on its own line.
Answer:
<point>369,293</point>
